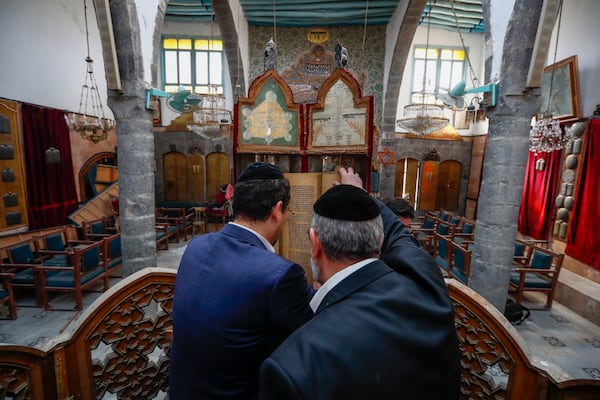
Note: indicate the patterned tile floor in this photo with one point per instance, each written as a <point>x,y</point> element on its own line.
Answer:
<point>560,341</point>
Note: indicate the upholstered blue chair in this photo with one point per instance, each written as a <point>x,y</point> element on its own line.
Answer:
<point>424,231</point>
<point>441,252</point>
<point>178,217</point>
<point>112,252</point>
<point>98,229</point>
<point>85,269</point>
<point>461,262</point>
<point>536,271</point>
<point>23,262</point>
<point>165,233</point>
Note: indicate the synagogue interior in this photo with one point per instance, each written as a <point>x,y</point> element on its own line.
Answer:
<point>125,124</point>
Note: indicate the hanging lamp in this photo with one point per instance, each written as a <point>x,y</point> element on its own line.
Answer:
<point>211,118</point>
<point>546,134</point>
<point>423,117</point>
<point>90,121</point>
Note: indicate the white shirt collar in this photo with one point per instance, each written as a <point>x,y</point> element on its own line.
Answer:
<point>315,302</point>
<point>260,237</point>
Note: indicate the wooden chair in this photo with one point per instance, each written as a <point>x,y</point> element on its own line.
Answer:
<point>444,215</point>
<point>6,294</point>
<point>199,223</point>
<point>461,262</point>
<point>454,219</point>
<point>98,229</point>
<point>178,217</point>
<point>23,262</point>
<point>423,232</point>
<point>536,271</point>
<point>112,256</point>
<point>165,233</point>
<point>442,252</point>
<point>54,247</point>
<point>85,269</point>
<point>464,233</point>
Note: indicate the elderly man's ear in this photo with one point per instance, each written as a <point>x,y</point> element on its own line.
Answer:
<point>315,243</point>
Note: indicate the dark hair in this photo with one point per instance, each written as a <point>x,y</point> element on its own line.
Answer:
<point>401,207</point>
<point>256,198</point>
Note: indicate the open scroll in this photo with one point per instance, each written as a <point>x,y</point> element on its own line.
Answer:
<point>306,188</point>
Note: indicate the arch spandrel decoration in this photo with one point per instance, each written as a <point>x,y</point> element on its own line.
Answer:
<point>268,118</point>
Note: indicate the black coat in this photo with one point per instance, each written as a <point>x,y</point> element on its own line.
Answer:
<point>378,334</point>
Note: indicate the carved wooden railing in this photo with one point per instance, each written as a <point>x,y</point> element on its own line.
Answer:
<point>118,348</point>
<point>495,361</point>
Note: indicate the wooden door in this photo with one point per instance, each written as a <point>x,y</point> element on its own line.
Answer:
<point>407,171</point>
<point>175,176</point>
<point>218,172</point>
<point>448,185</point>
<point>429,184</point>
<point>196,179</point>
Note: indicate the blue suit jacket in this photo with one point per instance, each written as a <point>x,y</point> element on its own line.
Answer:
<point>234,303</point>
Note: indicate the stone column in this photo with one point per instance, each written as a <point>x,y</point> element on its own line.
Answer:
<point>505,156</point>
<point>135,150</point>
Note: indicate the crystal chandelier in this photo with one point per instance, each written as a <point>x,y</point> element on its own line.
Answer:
<point>90,122</point>
<point>424,117</point>
<point>211,118</point>
<point>545,134</point>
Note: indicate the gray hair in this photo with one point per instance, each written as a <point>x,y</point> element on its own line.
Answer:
<point>350,240</point>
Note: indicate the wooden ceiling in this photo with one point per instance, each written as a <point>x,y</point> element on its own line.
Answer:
<point>446,14</point>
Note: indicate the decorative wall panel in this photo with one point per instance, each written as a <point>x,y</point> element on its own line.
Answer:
<point>13,207</point>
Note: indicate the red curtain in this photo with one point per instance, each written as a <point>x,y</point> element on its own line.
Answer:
<point>50,187</point>
<point>537,202</point>
<point>583,238</point>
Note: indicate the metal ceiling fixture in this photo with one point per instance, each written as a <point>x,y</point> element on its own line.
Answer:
<point>90,122</point>
<point>546,134</point>
<point>423,117</point>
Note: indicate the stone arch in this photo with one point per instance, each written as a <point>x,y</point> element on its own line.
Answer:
<point>230,36</point>
<point>408,27</point>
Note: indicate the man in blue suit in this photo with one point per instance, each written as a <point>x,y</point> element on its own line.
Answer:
<point>378,333</point>
<point>235,299</point>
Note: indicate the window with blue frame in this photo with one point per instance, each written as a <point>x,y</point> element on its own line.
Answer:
<point>445,67</point>
<point>194,63</point>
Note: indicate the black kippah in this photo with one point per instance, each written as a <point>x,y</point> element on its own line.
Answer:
<point>260,171</point>
<point>346,202</point>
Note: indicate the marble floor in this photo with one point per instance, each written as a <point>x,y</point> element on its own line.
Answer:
<point>559,341</point>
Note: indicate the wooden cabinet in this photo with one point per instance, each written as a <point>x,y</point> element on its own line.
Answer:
<point>13,206</point>
<point>336,130</point>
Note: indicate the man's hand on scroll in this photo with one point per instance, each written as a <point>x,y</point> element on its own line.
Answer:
<point>349,177</point>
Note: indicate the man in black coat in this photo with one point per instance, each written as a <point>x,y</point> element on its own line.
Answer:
<point>377,333</point>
